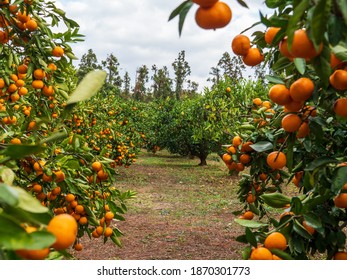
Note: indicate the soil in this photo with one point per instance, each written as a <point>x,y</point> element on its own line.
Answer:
<point>181,212</point>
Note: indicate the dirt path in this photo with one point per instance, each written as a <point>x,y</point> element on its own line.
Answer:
<point>181,211</point>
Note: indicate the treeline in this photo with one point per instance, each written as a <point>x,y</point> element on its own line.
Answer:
<point>153,82</point>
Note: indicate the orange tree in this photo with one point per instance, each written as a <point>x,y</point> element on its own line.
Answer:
<point>50,176</point>
<point>297,178</point>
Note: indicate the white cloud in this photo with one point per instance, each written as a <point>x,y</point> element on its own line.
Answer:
<point>138,33</point>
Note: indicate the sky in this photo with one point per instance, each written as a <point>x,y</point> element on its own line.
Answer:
<point>138,33</point>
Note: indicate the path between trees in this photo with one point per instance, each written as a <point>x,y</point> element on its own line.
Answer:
<point>182,211</point>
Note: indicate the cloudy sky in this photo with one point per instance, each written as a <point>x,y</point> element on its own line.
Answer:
<point>138,33</point>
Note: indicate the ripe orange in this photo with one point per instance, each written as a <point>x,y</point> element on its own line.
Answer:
<point>237,141</point>
<point>37,84</point>
<point>31,25</point>
<point>83,221</point>
<point>226,158</point>
<point>253,57</point>
<point>246,147</point>
<point>293,106</point>
<point>334,61</point>
<point>251,198</point>
<point>109,216</point>
<point>270,34</point>
<point>257,101</point>
<point>39,74</point>
<point>340,200</point>
<point>58,51</point>
<point>261,253</point>
<point>266,104</point>
<point>240,45</point>
<point>276,160</point>
<point>108,232</point>
<point>291,122</point>
<point>340,256</point>
<point>216,16</point>
<point>69,197</point>
<point>64,227</point>
<point>78,247</point>
<point>79,209</point>
<point>302,89</point>
<point>22,69</point>
<point>302,46</point>
<point>232,150</point>
<point>276,240</point>
<point>279,94</point>
<point>96,166</point>
<point>205,3</point>
<point>283,47</point>
<point>248,215</point>
<point>340,107</point>
<point>16,141</point>
<point>303,130</point>
<point>339,79</point>
<point>245,158</point>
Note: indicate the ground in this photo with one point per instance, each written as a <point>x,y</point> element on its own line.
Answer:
<point>182,211</point>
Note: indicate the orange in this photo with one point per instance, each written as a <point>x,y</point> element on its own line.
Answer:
<point>270,34</point>
<point>240,45</point>
<point>339,79</point>
<point>23,16</point>
<point>248,215</point>
<point>226,158</point>
<point>310,229</point>
<point>277,258</point>
<point>58,51</point>
<point>240,167</point>
<point>293,106</point>
<point>340,256</point>
<point>246,147</point>
<point>253,57</point>
<point>251,198</point>
<point>16,141</point>
<point>216,16</point>
<point>232,150</point>
<point>59,176</point>
<point>78,247</point>
<point>96,166</point>
<point>83,221</point>
<point>37,84</point>
<point>334,61</point>
<point>302,46</point>
<point>276,160</point>
<point>64,227</point>
<point>340,200</point>
<point>279,94</point>
<point>237,141</point>
<point>276,240</point>
<point>266,104</point>
<point>31,25</point>
<point>245,158</point>
<point>303,130</point>
<point>283,47</point>
<point>22,69</point>
<point>340,107</point>
<point>69,197</point>
<point>79,209</point>
<point>48,90</point>
<point>109,216</point>
<point>12,88</point>
<point>257,101</point>
<point>39,74</point>
<point>302,89</point>
<point>291,122</point>
<point>39,254</point>
<point>205,3</point>
<point>261,253</point>
<point>108,232</point>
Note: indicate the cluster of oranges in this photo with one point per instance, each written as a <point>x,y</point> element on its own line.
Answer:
<point>241,45</point>
<point>212,14</point>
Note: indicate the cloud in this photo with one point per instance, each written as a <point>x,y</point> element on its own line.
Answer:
<point>138,33</point>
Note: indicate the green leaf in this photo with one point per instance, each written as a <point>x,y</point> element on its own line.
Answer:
<point>28,203</point>
<point>320,162</point>
<point>251,237</point>
<point>322,66</point>
<point>300,65</point>
<point>250,223</point>
<point>296,205</point>
<point>313,220</point>
<point>178,10</point>
<point>39,240</point>
<point>283,255</point>
<point>115,240</point>
<point>11,233</point>
<point>55,137</point>
<point>272,4</point>
<point>343,9</point>
<point>340,51</point>
<point>275,200</point>
<point>20,151</point>
<point>6,175</point>
<point>299,229</point>
<point>339,179</point>
<point>319,20</point>
<point>274,79</point>
<point>89,86</point>
<point>262,146</point>
<point>182,17</point>
<point>298,12</point>
<point>8,195</point>
<point>242,3</point>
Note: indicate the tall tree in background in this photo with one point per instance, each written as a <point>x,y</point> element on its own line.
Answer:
<point>88,63</point>
<point>162,83</point>
<point>182,71</point>
<point>126,85</point>
<point>231,67</point>
<point>140,83</point>
<point>111,65</point>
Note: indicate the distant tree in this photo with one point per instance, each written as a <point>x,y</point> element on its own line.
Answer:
<point>182,71</point>
<point>111,65</point>
<point>162,83</point>
<point>126,84</point>
<point>215,75</point>
<point>140,83</point>
<point>88,63</point>
<point>192,89</point>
